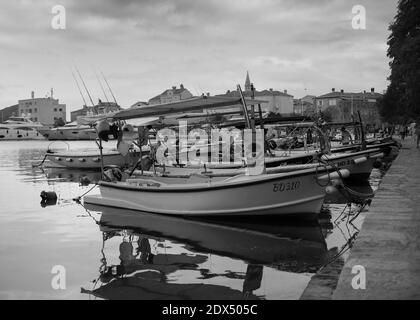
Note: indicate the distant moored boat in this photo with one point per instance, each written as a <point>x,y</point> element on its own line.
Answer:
<point>20,128</point>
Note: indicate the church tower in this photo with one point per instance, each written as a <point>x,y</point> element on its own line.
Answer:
<point>247,82</point>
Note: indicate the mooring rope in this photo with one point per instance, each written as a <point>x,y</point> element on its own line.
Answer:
<point>346,247</point>
<point>77,199</point>
<point>349,190</point>
<point>41,163</point>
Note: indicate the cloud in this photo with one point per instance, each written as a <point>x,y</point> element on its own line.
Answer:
<point>147,46</point>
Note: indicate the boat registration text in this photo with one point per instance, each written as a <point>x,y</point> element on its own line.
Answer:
<point>286,186</point>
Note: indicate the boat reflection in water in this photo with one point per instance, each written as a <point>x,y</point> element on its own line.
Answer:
<point>143,273</point>
<point>355,192</point>
<point>84,177</point>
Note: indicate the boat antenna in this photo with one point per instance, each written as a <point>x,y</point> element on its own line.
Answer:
<point>78,87</point>
<point>110,90</point>
<point>84,84</point>
<point>102,87</point>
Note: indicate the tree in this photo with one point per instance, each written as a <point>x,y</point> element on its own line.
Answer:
<point>326,115</point>
<point>272,114</point>
<point>401,102</point>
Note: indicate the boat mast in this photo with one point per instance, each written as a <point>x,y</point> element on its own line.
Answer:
<point>84,84</point>
<point>252,107</point>
<point>80,91</point>
<point>115,100</point>
<point>102,87</point>
<point>362,131</point>
<point>244,107</point>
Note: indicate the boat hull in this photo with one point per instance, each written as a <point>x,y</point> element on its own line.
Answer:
<point>20,134</point>
<point>276,194</point>
<point>69,134</point>
<point>92,160</point>
<point>359,164</point>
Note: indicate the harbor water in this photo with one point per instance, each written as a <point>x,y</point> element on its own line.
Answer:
<point>106,253</point>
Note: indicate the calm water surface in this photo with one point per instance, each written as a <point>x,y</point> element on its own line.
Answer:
<point>112,253</point>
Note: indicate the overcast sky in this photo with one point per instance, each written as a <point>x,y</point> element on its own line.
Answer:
<point>144,47</point>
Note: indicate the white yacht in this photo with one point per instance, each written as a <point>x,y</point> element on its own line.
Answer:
<point>20,128</point>
<point>70,131</point>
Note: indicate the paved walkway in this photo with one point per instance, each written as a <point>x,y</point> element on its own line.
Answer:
<point>388,246</point>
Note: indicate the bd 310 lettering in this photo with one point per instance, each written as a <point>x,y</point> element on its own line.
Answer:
<point>286,186</point>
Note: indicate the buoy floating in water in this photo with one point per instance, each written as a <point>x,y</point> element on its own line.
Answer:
<point>84,181</point>
<point>48,198</point>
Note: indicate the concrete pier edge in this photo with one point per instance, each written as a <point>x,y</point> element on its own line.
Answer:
<point>388,245</point>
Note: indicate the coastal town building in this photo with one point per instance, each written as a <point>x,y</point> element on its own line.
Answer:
<point>171,95</point>
<point>44,110</point>
<point>100,108</point>
<point>279,102</point>
<point>304,105</point>
<point>343,106</point>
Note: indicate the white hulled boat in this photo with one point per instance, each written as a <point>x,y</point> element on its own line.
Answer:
<point>297,192</point>
<point>90,159</point>
<point>359,164</point>
<point>300,191</point>
<point>20,128</point>
<point>70,131</point>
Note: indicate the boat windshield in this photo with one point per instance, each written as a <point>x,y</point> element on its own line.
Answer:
<point>17,120</point>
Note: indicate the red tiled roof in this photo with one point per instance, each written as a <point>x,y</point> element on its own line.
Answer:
<point>350,95</point>
<point>164,93</point>
<point>248,93</point>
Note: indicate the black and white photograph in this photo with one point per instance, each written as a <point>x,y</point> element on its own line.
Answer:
<point>228,152</point>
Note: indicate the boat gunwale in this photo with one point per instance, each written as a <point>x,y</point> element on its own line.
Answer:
<point>218,184</point>
<point>333,156</point>
<point>226,212</point>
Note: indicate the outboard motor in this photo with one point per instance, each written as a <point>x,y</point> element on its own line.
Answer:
<point>114,130</point>
<point>113,173</point>
<point>103,130</point>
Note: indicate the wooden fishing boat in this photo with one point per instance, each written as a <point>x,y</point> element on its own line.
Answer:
<point>297,192</point>
<point>359,164</point>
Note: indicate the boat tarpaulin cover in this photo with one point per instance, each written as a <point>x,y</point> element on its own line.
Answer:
<point>88,120</point>
<point>198,103</point>
<point>142,121</point>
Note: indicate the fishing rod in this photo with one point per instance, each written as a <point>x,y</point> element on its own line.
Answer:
<point>110,90</point>
<point>84,84</point>
<point>80,90</point>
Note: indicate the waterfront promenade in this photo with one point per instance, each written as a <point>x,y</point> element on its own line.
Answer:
<point>388,246</point>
